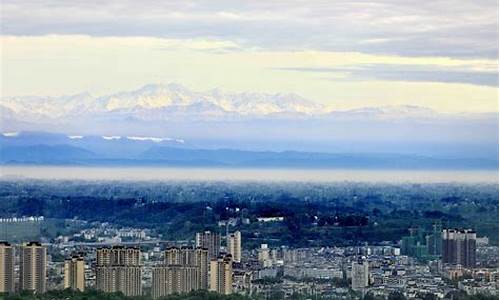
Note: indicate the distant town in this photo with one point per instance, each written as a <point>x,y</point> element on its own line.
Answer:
<point>250,249</point>
<point>438,264</point>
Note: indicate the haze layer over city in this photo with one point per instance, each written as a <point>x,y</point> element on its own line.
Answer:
<point>249,150</point>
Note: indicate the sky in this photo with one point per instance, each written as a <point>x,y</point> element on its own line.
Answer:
<point>441,55</point>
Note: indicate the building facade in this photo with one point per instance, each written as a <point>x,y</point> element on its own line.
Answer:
<point>234,246</point>
<point>221,274</point>
<point>74,273</point>
<point>185,269</point>
<point>209,240</point>
<point>360,274</point>
<point>173,279</point>
<point>119,269</point>
<point>194,257</point>
<point>264,256</point>
<point>434,240</point>
<point>459,247</point>
<point>7,258</point>
<point>33,267</point>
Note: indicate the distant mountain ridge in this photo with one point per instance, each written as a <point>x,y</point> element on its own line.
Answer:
<point>170,102</point>
<point>50,149</point>
<point>165,102</point>
<point>170,114</point>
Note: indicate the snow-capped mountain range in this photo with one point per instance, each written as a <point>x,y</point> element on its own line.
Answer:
<point>176,116</point>
<point>157,102</point>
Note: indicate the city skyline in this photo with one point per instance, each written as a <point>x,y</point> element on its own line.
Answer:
<point>249,150</point>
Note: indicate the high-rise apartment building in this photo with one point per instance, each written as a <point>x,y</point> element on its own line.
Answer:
<point>172,256</point>
<point>264,256</point>
<point>7,284</point>
<point>172,279</point>
<point>209,240</point>
<point>119,269</point>
<point>33,267</point>
<point>359,274</point>
<point>234,246</point>
<point>185,269</point>
<point>221,274</point>
<point>434,240</point>
<point>74,273</point>
<point>187,256</point>
<point>459,247</point>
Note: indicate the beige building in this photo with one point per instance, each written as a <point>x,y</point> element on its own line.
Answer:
<point>200,259</point>
<point>33,267</point>
<point>74,273</point>
<point>7,284</point>
<point>187,256</point>
<point>264,256</point>
<point>221,274</point>
<point>234,246</point>
<point>185,269</point>
<point>360,274</point>
<point>119,269</point>
<point>209,240</point>
<point>173,279</point>
<point>172,256</point>
<point>197,257</point>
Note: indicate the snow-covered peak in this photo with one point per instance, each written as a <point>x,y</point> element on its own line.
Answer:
<point>149,138</point>
<point>167,101</point>
<point>111,137</point>
<point>10,134</point>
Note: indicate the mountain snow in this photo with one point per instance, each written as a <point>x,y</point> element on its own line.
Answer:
<point>148,138</point>
<point>112,137</point>
<point>160,102</point>
<point>10,134</point>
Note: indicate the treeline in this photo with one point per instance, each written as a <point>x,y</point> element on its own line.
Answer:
<point>206,295</point>
<point>314,214</point>
<point>455,295</point>
<point>98,295</point>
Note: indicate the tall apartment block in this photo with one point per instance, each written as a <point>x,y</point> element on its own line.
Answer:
<point>234,246</point>
<point>119,269</point>
<point>33,267</point>
<point>187,256</point>
<point>459,247</point>
<point>264,256</point>
<point>172,279</point>
<point>74,273</point>
<point>434,240</point>
<point>209,240</point>
<point>360,274</point>
<point>185,269</point>
<point>7,284</point>
<point>221,274</point>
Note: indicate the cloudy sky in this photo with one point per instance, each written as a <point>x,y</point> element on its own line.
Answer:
<point>344,54</point>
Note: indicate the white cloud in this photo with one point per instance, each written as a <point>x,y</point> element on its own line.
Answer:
<point>425,28</point>
<point>104,65</point>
